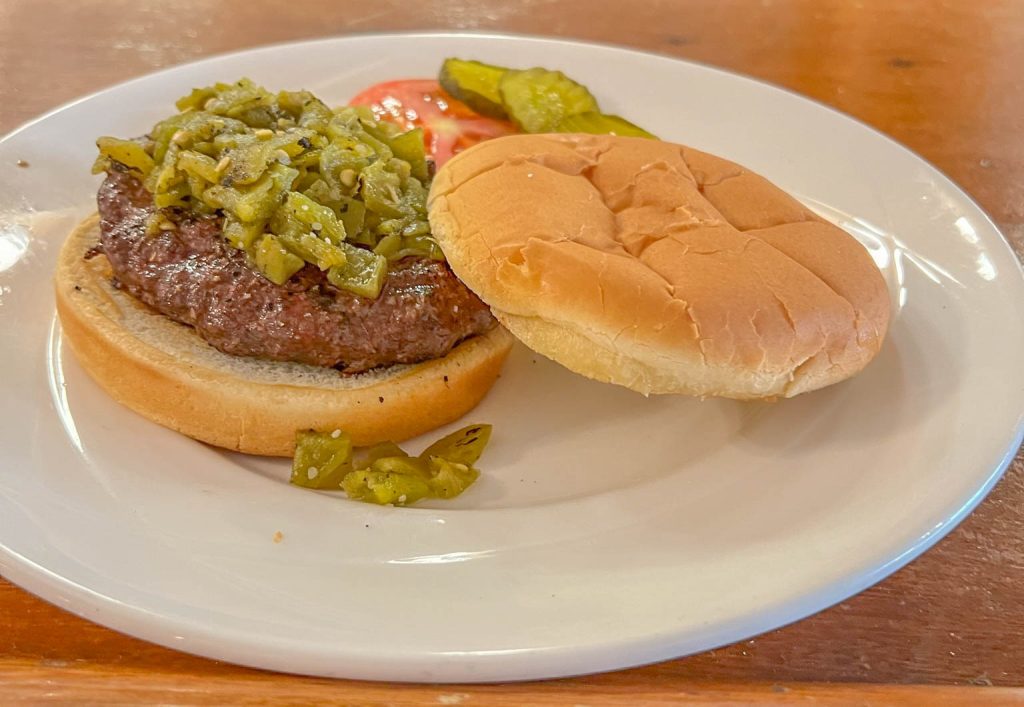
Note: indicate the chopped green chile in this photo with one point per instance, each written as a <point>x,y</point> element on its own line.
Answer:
<point>295,181</point>
<point>462,446</point>
<point>363,273</point>
<point>390,480</point>
<point>243,235</point>
<point>322,459</point>
<point>368,455</point>
<point>200,166</point>
<point>321,219</point>
<point>127,152</point>
<point>448,479</point>
<point>388,246</point>
<point>275,261</point>
<point>395,247</point>
<point>353,216</point>
<point>410,147</point>
<point>384,473</point>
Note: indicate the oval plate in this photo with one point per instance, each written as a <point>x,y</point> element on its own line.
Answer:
<point>607,530</point>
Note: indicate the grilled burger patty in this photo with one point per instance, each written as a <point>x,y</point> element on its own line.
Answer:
<point>192,275</point>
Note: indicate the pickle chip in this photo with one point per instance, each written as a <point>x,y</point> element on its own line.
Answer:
<point>538,100</point>
<point>601,124</point>
<point>476,84</point>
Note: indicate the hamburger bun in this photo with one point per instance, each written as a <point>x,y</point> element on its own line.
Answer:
<point>658,267</point>
<point>165,372</point>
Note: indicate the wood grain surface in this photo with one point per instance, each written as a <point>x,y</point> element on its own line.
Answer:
<point>131,686</point>
<point>944,78</point>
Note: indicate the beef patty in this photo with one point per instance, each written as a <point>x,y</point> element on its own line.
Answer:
<point>192,275</point>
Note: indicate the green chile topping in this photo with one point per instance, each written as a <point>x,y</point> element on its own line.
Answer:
<point>296,181</point>
<point>385,473</point>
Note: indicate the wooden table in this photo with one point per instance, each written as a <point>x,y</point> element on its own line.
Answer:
<point>946,79</point>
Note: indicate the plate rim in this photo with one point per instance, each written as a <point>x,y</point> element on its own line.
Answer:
<point>156,627</point>
<point>514,665</point>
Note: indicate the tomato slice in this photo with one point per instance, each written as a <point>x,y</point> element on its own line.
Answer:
<point>449,125</point>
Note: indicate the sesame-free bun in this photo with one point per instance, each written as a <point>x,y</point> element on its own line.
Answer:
<point>658,267</point>
<point>164,371</point>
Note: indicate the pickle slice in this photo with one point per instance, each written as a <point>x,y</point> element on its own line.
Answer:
<point>538,100</point>
<point>476,84</point>
<point>601,124</point>
<point>128,152</point>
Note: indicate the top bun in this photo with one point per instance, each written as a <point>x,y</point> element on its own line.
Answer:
<point>658,267</point>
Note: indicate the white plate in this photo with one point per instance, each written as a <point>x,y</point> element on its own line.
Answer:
<point>608,530</point>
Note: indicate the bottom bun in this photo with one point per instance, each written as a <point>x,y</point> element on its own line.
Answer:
<point>165,372</point>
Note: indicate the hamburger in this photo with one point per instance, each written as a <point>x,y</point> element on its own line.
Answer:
<point>260,264</point>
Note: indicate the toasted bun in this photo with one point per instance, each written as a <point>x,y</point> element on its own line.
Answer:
<point>165,372</point>
<point>658,267</point>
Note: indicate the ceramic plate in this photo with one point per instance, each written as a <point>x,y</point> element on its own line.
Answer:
<point>608,529</point>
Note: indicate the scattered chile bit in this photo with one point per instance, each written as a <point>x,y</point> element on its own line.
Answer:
<point>384,473</point>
